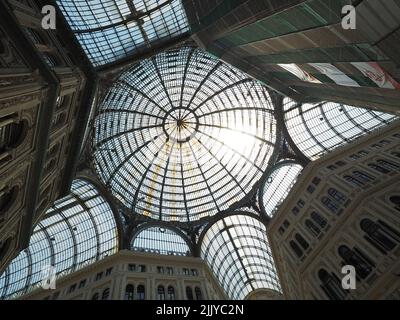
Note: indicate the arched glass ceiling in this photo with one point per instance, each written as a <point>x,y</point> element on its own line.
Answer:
<point>237,250</point>
<point>182,136</point>
<point>112,29</point>
<point>76,231</point>
<point>160,240</point>
<point>319,128</point>
<point>277,186</point>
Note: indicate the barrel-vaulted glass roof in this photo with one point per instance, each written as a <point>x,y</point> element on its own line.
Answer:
<point>237,250</point>
<point>109,30</point>
<point>322,127</point>
<point>76,231</point>
<point>182,136</point>
<point>277,185</point>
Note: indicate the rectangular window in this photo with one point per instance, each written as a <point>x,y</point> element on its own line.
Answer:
<point>316,181</point>
<point>376,146</point>
<point>354,157</point>
<point>142,268</point>
<point>108,271</point>
<point>82,283</point>
<point>72,288</point>
<point>341,163</point>
<point>132,267</point>
<point>310,189</point>
<point>160,269</point>
<point>195,272</point>
<point>300,203</point>
<point>286,224</point>
<point>385,142</point>
<point>170,270</point>
<point>186,271</point>
<point>99,276</point>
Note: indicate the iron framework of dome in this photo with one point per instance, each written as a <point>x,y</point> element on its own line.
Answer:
<point>183,136</point>
<point>110,30</point>
<point>76,231</point>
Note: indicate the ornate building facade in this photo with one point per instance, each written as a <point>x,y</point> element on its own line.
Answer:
<point>43,92</point>
<point>131,275</point>
<point>344,211</point>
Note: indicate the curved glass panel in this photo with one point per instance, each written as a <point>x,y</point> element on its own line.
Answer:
<point>236,249</point>
<point>319,128</point>
<point>109,30</point>
<point>76,231</point>
<point>160,240</point>
<point>182,136</point>
<point>278,185</point>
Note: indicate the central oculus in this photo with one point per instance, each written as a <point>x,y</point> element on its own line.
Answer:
<point>180,125</point>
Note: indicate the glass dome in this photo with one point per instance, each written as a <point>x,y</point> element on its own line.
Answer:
<point>109,30</point>
<point>182,136</point>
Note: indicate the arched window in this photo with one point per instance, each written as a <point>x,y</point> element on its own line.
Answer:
<point>7,198</point>
<point>330,204</point>
<point>141,292</point>
<point>50,59</point>
<point>95,296</point>
<point>354,181</point>
<point>35,36</point>
<point>189,293</point>
<point>337,195</point>
<point>12,132</point>
<point>59,120</point>
<point>129,292</point>
<point>388,164</point>
<point>4,247</point>
<point>396,201</point>
<point>299,238</point>
<point>315,231</point>
<point>171,293</point>
<point>198,294</point>
<point>331,285</point>
<point>160,293</point>
<point>2,46</point>
<point>296,249</point>
<point>380,235</point>
<point>362,176</point>
<point>50,166</point>
<point>320,220</point>
<point>378,168</point>
<point>106,294</point>
<point>359,260</point>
